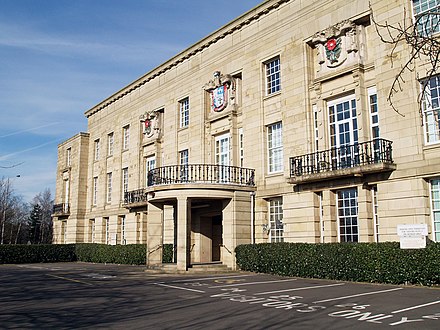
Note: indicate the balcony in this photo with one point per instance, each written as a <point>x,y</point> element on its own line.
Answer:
<point>350,160</point>
<point>180,176</point>
<point>62,209</point>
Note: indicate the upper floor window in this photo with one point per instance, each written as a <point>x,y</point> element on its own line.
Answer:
<point>184,112</point>
<point>69,157</point>
<point>95,190</point>
<point>110,142</point>
<point>125,180</point>
<point>150,164</point>
<point>273,76</point>
<point>275,147</point>
<point>183,161</point>
<point>125,137</point>
<point>109,187</point>
<point>97,146</point>
<point>431,110</point>
<point>426,23</point>
<point>374,113</point>
<point>241,146</point>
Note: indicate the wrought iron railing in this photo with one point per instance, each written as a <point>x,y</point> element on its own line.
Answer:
<point>371,152</point>
<point>61,209</point>
<point>135,196</point>
<point>201,173</point>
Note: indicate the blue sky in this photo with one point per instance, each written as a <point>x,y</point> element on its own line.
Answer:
<point>58,58</point>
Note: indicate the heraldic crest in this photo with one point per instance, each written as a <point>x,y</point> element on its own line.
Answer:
<point>150,121</point>
<point>220,89</point>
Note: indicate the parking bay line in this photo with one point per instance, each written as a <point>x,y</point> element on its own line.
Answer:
<point>210,278</point>
<point>251,283</point>
<point>298,289</point>
<point>357,295</point>
<point>177,287</point>
<point>415,307</point>
<point>69,279</point>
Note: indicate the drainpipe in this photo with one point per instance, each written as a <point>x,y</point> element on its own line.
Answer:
<point>252,195</point>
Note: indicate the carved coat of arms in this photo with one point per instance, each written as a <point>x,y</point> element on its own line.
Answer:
<point>150,123</point>
<point>220,90</point>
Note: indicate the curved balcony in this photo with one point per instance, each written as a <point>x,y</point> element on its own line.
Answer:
<point>349,160</point>
<point>201,173</point>
<point>60,210</point>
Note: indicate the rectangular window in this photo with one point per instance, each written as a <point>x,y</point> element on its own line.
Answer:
<point>183,161</point>
<point>241,146</point>
<point>184,112</point>
<point>275,147</point>
<point>125,137</point>
<point>92,230</point>
<point>273,76</point>
<point>321,215</point>
<point>150,164</point>
<point>431,110</point>
<point>435,202</point>
<point>64,232</point>
<point>95,190</point>
<point>123,231</point>
<point>109,187</point>
<point>316,126</point>
<point>348,215</point>
<point>124,180</point>
<point>106,230</point>
<point>97,149</point>
<point>276,220</point>
<point>222,157</point>
<point>110,142</point>
<point>69,157</point>
<point>375,213</point>
<point>426,24</point>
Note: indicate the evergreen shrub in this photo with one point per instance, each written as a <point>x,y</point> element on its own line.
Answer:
<point>20,254</point>
<point>360,262</point>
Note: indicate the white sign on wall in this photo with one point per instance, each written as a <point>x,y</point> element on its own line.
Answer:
<point>412,236</point>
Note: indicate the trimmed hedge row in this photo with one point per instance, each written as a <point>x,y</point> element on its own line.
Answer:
<point>360,262</point>
<point>168,253</point>
<point>21,254</point>
<point>133,254</point>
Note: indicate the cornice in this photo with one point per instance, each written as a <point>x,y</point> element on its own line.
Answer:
<point>235,25</point>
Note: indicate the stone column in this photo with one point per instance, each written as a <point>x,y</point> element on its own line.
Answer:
<point>154,235</point>
<point>183,232</point>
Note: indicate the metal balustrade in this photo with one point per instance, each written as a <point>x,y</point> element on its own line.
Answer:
<point>348,156</point>
<point>61,209</point>
<point>201,173</point>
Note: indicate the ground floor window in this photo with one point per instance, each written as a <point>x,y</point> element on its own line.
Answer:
<point>106,223</point>
<point>276,220</point>
<point>348,215</point>
<point>64,232</point>
<point>435,201</point>
<point>92,230</point>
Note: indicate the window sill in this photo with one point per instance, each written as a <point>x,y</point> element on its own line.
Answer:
<point>269,96</point>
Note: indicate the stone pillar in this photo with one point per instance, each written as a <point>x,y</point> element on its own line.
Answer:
<point>365,215</point>
<point>183,232</point>
<point>154,234</point>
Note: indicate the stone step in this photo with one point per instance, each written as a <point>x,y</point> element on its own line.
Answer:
<point>199,268</point>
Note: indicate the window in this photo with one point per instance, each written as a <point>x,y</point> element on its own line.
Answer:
<point>431,110</point>
<point>64,232</point>
<point>375,206</point>
<point>183,161</point>
<point>184,112</point>
<point>124,180</point>
<point>96,149</point>
<point>109,187</point>
<point>150,164</point>
<point>95,190</point>
<point>316,126</point>
<point>321,215</point>
<point>348,215</point>
<point>110,142</point>
<point>106,230</point>
<point>69,157</point>
<point>125,137</point>
<point>276,220</point>
<point>435,200</point>
<point>123,233</point>
<point>426,24</point>
<point>374,115</point>
<point>92,230</point>
<point>241,146</point>
<point>275,147</point>
<point>222,157</point>
<point>273,76</point>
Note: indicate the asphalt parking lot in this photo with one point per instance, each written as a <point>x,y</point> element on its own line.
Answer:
<point>90,296</point>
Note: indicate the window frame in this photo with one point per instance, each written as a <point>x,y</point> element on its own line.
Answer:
<point>276,225</point>
<point>431,130</point>
<point>425,28</point>
<point>109,187</point>
<point>96,149</point>
<point>126,137</point>
<point>95,191</point>
<point>110,144</point>
<point>184,107</point>
<point>272,76</point>
<point>275,153</point>
<point>347,224</point>
<point>434,197</point>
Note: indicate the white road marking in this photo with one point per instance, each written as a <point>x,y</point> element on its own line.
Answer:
<point>177,287</point>
<point>415,307</point>
<point>251,283</point>
<point>297,289</point>
<point>210,278</point>
<point>357,295</point>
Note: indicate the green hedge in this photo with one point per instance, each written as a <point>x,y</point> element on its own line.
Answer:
<point>361,262</point>
<point>20,254</point>
<point>131,254</point>
<point>168,253</point>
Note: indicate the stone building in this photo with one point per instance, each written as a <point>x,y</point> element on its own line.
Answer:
<point>275,127</point>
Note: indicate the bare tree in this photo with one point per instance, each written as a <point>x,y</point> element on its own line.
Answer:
<point>418,34</point>
<point>45,201</point>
